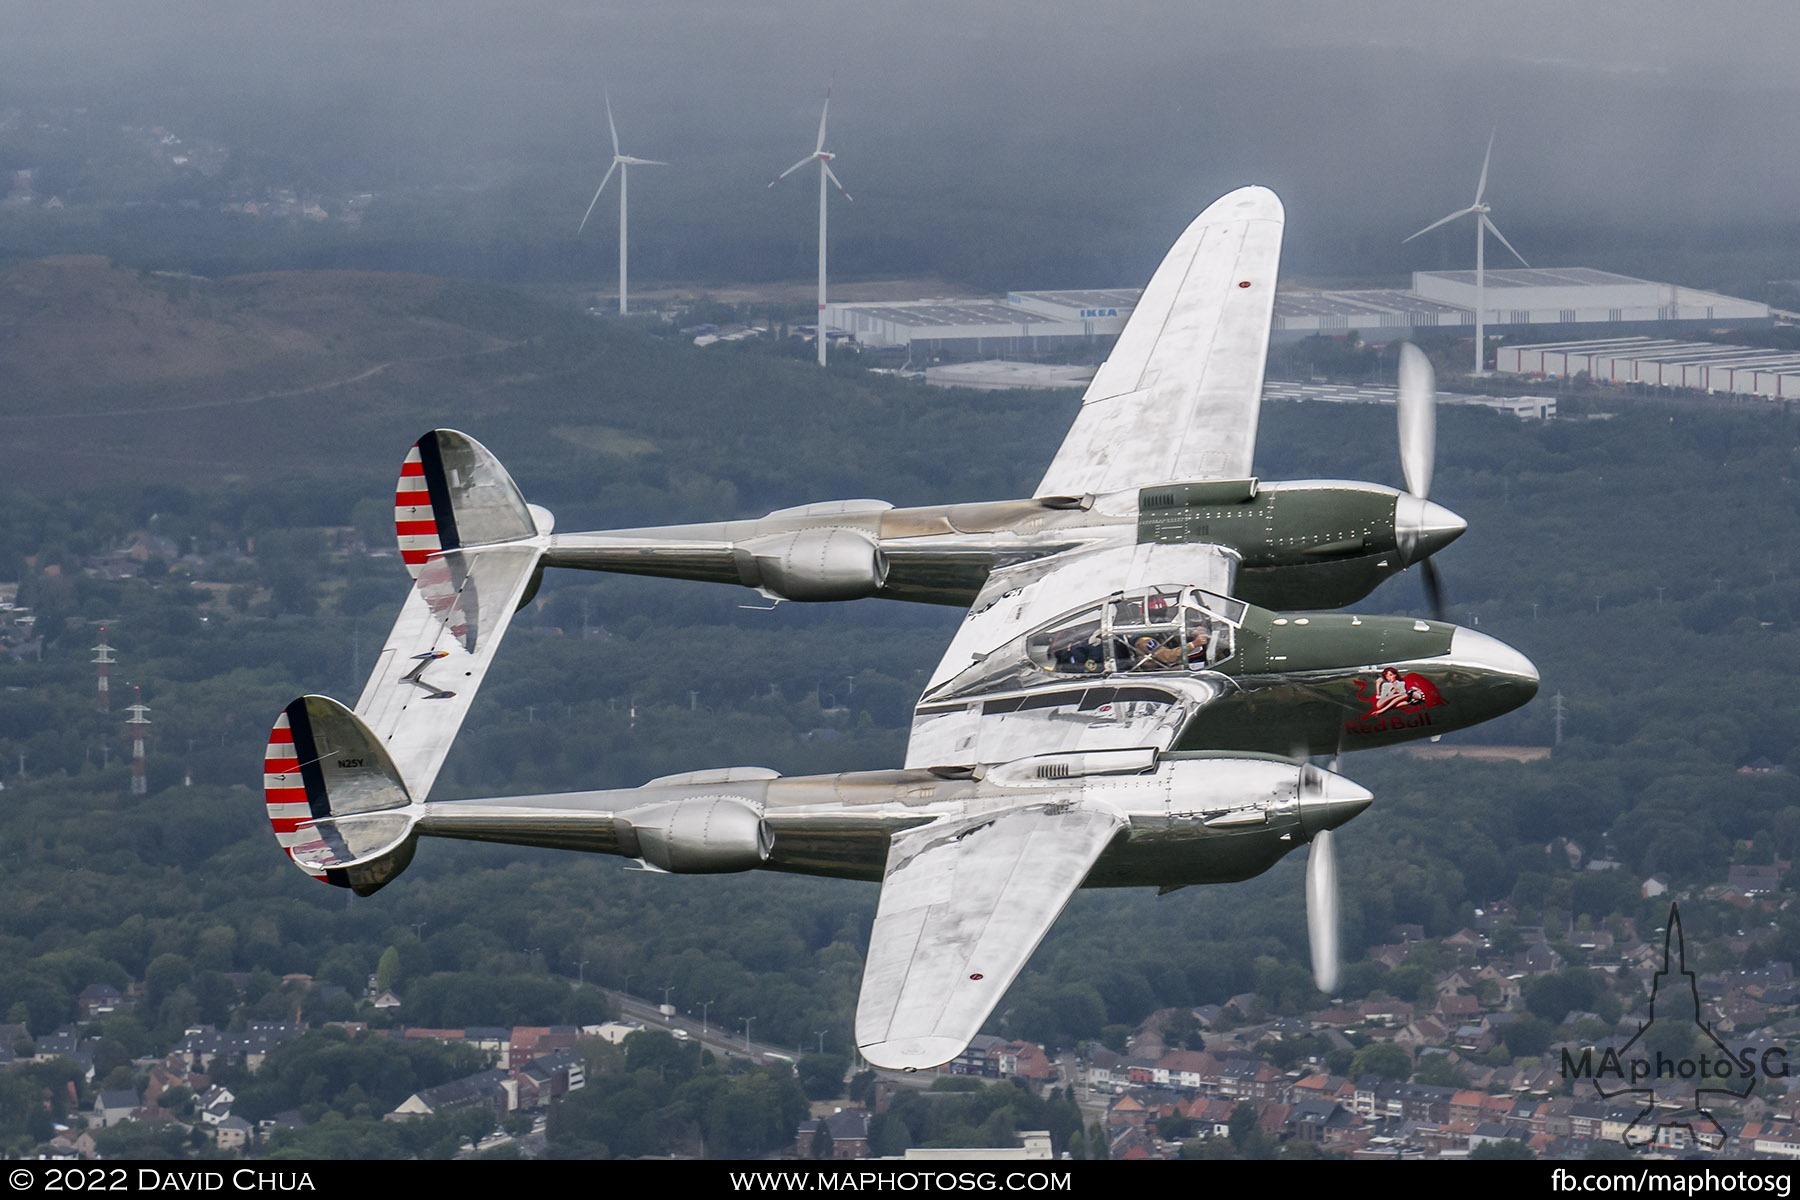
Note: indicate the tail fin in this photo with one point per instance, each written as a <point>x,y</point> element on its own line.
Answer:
<point>475,550</point>
<point>453,493</point>
<point>338,804</point>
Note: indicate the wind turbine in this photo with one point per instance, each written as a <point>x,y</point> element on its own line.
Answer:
<point>620,163</point>
<point>823,157</point>
<point>1483,226</point>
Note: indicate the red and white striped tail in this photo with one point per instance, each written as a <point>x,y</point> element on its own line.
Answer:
<point>317,747</point>
<point>284,794</point>
<point>454,494</point>
<point>415,524</point>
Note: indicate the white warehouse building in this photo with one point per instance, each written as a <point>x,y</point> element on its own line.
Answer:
<point>1029,323</point>
<point>1656,362</point>
<point>1024,323</point>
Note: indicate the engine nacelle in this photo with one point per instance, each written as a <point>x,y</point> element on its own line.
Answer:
<point>814,564</point>
<point>705,836</point>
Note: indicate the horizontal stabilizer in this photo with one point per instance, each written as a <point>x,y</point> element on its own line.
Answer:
<point>338,804</point>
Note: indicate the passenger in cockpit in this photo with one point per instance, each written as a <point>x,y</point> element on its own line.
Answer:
<point>1199,639</point>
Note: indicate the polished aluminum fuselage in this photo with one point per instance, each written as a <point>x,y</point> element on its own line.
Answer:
<point>1192,818</point>
<point>1308,544</point>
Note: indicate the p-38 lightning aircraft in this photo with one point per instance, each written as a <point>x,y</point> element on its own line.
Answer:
<point>1114,710</point>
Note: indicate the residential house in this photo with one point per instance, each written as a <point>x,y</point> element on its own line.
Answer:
<point>980,1057</point>
<point>202,1046</point>
<point>233,1133</point>
<point>1025,1060</point>
<point>848,1129</point>
<point>98,1000</point>
<point>114,1107</point>
<point>1185,1069</point>
<point>531,1041</point>
<point>1104,1070</point>
<point>1755,882</point>
<point>1322,1122</point>
<point>546,1079</point>
<point>214,1106</point>
<point>1127,1110</point>
<point>482,1088</point>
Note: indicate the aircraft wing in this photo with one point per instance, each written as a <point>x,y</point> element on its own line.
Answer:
<point>1178,397</point>
<point>986,704</point>
<point>963,905</point>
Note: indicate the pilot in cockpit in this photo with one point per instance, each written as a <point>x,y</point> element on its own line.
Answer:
<point>1156,654</point>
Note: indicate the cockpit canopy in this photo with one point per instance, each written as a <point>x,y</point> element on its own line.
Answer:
<point>1168,628</point>
<point>1162,628</point>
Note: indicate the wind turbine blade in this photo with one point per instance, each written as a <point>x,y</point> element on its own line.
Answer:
<point>641,162</point>
<point>1491,228</point>
<point>791,170</point>
<point>596,199</point>
<point>1461,212</point>
<point>822,113</point>
<point>613,129</point>
<point>1481,184</point>
<point>834,179</point>
<point>1418,419</point>
<point>1322,910</point>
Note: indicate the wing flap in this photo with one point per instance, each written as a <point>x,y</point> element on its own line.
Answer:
<point>963,905</point>
<point>1179,396</point>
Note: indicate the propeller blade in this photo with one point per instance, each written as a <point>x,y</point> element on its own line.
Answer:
<point>834,179</point>
<point>1493,229</point>
<point>611,127</point>
<point>590,211</point>
<point>1481,184</point>
<point>792,169</point>
<point>1434,589</point>
<point>1418,419</point>
<point>1322,910</point>
<point>1461,212</point>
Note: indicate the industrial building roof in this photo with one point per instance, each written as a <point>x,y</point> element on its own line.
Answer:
<point>1307,303</point>
<point>1540,277</point>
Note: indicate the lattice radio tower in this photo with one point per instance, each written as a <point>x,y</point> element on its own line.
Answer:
<point>102,659</point>
<point>140,785</point>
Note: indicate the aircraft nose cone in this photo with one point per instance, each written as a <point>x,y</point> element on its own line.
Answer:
<point>1422,528</point>
<point>1511,680</point>
<point>1492,654</point>
<point>1327,799</point>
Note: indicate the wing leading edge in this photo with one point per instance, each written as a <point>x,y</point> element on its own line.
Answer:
<point>1178,397</point>
<point>963,905</point>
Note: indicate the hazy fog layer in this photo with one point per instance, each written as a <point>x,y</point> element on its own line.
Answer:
<point>1369,118</point>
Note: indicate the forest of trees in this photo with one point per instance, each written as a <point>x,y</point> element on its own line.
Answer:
<point>1645,562</point>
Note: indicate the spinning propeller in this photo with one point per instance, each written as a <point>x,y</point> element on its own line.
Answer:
<point>1421,527</point>
<point>1327,801</point>
<point>1322,910</point>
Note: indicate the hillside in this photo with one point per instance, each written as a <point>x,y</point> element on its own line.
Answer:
<point>117,374</point>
